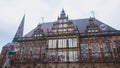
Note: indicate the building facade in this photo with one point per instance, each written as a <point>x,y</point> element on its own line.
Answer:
<point>80,43</point>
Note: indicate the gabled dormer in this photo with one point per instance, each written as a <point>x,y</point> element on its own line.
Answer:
<point>38,32</point>
<point>92,27</point>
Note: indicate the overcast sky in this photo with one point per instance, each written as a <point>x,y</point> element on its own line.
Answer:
<point>12,11</point>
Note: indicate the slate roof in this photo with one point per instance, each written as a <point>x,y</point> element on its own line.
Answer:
<point>80,23</point>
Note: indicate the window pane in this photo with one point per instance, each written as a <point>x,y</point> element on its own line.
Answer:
<point>59,43</point>
<point>117,43</point>
<point>65,25</point>
<point>27,50</point>
<point>60,25</point>
<point>72,42</point>
<point>51,56</point>
<point>43,51</point>
<point>107,49</point>
<point>70,56</point>
<point>95,50</point>
<point>62,56</point>
<point>36,51</point>
<point>62,43</point>
<point>50,44</point>
<point>54,44</point>
<point>84,50</point>
<point>73,56</point>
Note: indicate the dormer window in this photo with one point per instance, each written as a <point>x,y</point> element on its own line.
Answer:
<point>65,25</point>
<point>60,21</point>
<point>38,32</point>
<point>65,20</point>
<point>60,25</point>
<point>92,27</point>
<point>37,35</point>
<point>96,30</point>
<point>89,30</point>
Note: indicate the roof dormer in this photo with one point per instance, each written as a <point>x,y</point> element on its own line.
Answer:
<point>38,32</point>
<point>92,27</point>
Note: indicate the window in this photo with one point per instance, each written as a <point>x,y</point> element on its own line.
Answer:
<point>92,30</point>
<point>107,49</point>
<point>95,50</point>
<point>52,43</point>
<point>89,30</point>
<point>72,42</point>
<point>117,43</point>
<point>65,20</point>
<point>54,30</point>
<point>43,51</point>
<point>60,30</point>
<point>36,51</point>
<point>65,25</point>
<point>96,30</point>
<point>62,56</point>
<point>52,56</point>
<point>60,21</point>
<point>73,56</point>
<point>60,25</point>
<point>84,50</point>
<point>27,50</point>
<point>64,29</point>
<point>70,29</point>
<point>20,49</point>
<point>62,43</point>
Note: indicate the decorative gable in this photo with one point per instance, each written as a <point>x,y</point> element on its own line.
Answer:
<point>38,32</point>
<point>92,27</point>
<point>63,25</point>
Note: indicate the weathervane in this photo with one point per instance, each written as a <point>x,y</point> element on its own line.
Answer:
<point>93,14</point>
<point>42,19</point>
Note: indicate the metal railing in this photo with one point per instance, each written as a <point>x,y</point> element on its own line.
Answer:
<point>81,59</point>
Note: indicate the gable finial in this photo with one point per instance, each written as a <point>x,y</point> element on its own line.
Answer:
<point>63,14</point>
<point>93,14</point>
